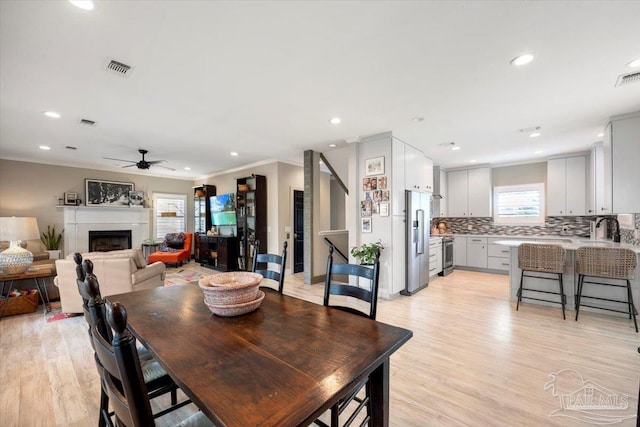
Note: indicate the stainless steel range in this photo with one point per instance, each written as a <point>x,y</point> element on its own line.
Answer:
<point>447,256</point>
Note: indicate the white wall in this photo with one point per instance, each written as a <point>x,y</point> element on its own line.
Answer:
<point>290,178</point>
<point>530,173</point>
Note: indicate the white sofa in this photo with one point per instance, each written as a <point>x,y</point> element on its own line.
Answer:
<point>117,272</point>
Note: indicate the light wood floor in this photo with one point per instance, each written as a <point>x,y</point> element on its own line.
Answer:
<point>473,360</point>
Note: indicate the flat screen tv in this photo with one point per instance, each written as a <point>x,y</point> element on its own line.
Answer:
<point>223,211</point>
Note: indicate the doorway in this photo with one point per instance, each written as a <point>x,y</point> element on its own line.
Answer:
<point>298,231</point>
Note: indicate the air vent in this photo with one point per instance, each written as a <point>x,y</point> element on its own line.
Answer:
<point>529,130</point>
<point>87,122</point>
<point>69,147</point>
<point>625,79</point>
<point>119,68</point>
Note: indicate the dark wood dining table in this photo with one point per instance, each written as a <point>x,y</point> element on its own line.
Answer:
<point>283,364</point>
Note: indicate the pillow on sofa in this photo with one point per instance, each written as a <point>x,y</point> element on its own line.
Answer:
<point>173,242</point>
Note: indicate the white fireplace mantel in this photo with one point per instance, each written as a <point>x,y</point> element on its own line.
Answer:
<point>79,220</point>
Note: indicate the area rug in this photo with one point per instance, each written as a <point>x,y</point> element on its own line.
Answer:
<point>182,277</point>
<point>56,313</point>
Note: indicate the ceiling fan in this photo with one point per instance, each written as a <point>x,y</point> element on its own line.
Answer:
<point>142,164</point>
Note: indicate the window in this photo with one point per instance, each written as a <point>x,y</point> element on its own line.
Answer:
<point>518,204</point>
<point>169,214</point>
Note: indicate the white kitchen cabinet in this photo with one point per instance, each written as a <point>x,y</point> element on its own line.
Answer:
<point>625,165</point>
<point>460,251</point>
<point>444,194</point>
<point>477,252</point>
<point>498,256</point>
<point>397,175</point>
<point>566,189</point>
<point>617,170</point>
<point>435,257</point>
<point>469,192</point>
<point>417,168</point>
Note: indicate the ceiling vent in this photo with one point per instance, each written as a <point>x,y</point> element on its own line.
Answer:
<point>87,122</point>
<point>119,68</point>
<point>625,79</point>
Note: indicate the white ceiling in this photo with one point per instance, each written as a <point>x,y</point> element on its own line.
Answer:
<point>264,78</point>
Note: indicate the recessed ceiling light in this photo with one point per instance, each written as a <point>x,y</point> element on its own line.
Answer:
<point>534,135</point>
<point>417,119</point>
<point>538,152</point>
<point>455,148</point>
<point>82,4</point>
<point>52,114</point>
<point>332,145</point>
<point>336,120</point>
<point>233,153</point>
<point>472,161</point>
<point>187,168</point>
<point>45,147</point>
<point>600,135</point>
<point>522,59</point>
<point>634,64</point>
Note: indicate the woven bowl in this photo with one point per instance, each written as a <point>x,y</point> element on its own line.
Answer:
<point>229,310</point>
<point>230,288</point>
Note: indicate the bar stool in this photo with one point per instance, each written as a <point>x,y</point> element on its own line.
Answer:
<point>610,263</point>
<point>542,258</point>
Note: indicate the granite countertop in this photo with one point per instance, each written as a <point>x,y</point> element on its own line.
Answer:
<point>571,244</point>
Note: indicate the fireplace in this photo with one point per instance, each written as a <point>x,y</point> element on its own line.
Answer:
<point>109,240</point>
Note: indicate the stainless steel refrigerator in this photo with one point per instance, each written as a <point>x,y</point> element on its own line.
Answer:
<point>417,241</point>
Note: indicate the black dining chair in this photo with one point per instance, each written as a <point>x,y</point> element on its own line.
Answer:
<point>157,380</point>
<point>355,274</point>
<point>261,265</point>
<point>122,374</point>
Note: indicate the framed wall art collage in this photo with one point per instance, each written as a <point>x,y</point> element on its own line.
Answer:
<point>375,200</point>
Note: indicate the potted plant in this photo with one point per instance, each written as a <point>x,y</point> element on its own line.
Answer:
<point>366,253</point>
<point>51,241</point>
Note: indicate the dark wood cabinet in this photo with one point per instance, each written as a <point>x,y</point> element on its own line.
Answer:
<point>219,252</point>
<point>252,217</point>
<point>202,214</point>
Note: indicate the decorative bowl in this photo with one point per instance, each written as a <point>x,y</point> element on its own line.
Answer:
<point>230,288</point>
<point>229,310</point>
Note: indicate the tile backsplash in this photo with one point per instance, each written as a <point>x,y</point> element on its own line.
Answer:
<point>570,226</point>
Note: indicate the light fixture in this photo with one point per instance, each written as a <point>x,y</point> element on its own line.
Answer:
<point>634,64</point>
<point>16,259</point>
<point>44,147</point>
<point>534,135</point>
<point>333,145</point>
<point>82,4</point>
<point>233,153</point>
<point>417,119</point>
<point>52,114</point>
<point>472,161</point>
<point>455,148</point>
<point>187,168</point>
<point>538,152</point>
<point>522,59</point>
<point>335,120</point>
<point>600,135</point>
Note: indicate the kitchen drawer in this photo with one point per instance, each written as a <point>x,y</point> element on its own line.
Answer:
<point>499,251</point>
<point>477,240</point>
<point>497,263</point>
<point>491,240</point>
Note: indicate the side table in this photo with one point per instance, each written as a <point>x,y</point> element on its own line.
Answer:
<point>35,272</point>
<point>148,249</point>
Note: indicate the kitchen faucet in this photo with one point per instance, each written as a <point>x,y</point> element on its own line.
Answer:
<point>616,234</point>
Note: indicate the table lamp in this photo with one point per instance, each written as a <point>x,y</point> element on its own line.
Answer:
<point>15,259</point>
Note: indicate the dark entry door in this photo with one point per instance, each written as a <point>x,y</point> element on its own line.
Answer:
<point>298,231</point>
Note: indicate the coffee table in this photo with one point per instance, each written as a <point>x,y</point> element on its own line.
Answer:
<point>38,270</point>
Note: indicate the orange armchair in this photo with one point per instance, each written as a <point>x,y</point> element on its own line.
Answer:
<point>174,257</point>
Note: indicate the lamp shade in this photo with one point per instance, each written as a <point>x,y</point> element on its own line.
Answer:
<point>15,228</point>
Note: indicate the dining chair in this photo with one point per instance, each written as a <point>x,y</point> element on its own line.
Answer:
<point>261,265</point>
<point>157,380</point>
<point>356,275</point>
<point>122,374</point>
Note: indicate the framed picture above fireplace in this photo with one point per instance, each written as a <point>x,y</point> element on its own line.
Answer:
<point>107,193</point>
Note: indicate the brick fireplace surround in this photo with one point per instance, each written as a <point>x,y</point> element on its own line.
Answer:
<point>78,221</point>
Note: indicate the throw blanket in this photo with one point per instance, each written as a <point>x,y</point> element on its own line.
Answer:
<point>173,242</point>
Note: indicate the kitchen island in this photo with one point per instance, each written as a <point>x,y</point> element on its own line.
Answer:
<point>570,277</point>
